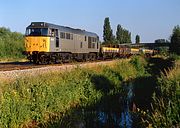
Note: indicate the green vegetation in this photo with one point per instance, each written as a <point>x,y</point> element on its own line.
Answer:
<point>122,35</point>
<point>38,100</point>
<point>61,99</point>
<point>161,41</point>
<point>167,100</point>
<point>163,51</point>
<point>164,110</point>
<point>107,32</point>
<point>139,63</point>
<point>137,39</point>
<point>11,44</point>
<point>175,40</point>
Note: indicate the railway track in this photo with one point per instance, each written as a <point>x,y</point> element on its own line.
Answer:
<point>10,66</point>
<point>13,71</point>
<point>17,66</point>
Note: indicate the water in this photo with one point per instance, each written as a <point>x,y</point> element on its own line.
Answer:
<point>124,120</point>
<point>126,117</point>
<point>112,111</point>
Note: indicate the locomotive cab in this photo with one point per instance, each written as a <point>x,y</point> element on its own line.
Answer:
<point>39,39</point>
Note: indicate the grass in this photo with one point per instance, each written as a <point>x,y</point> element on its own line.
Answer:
<point>34,101</point>
<point>53,99</point>
<point>166,99</point>
<point>9,60</point>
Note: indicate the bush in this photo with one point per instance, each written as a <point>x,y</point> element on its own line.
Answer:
<point>174,57</point>
<point>11,44</point>
<point>166,100</point>
<point>139,63</point>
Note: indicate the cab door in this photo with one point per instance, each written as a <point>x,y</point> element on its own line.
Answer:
<point>55,42</point>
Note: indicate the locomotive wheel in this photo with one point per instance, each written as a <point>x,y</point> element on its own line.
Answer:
<point>43,59</point>
<point>86,57</point>
<point>52,59</point>
<point>59,61</point>
<point>35,61</point>
<point>92,56</point>
<point>69,58</point>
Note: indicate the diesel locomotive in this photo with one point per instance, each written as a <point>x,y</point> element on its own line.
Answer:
<point>49,43</point>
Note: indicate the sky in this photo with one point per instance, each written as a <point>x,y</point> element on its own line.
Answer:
<point>151,19</point>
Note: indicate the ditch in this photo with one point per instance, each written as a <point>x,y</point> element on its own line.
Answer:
<point>118,110</point>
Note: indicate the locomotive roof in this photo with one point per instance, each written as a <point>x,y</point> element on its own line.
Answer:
<point>61,28</point>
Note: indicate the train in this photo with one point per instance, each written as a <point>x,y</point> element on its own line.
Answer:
<point>47,43</point>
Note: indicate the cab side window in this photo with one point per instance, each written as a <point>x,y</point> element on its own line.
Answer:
<point>52,32</point>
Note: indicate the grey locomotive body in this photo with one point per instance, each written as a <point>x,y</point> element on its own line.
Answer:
<point>46,43</point>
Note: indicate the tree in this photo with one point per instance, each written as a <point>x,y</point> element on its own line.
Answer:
<point>11,43</point>
<point>122,35</point>
<point>161,41</point>
<point>175,40</point>
<point>119,31</point>
<point>107,32</point>
<point>127,37</point>
<point>137,39</point>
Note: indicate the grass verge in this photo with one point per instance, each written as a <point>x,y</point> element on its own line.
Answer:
<point>34,101</point>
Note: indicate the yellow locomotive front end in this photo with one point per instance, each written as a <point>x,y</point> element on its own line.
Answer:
<point>37,44</point>
<point>37,41</point>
